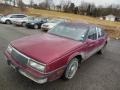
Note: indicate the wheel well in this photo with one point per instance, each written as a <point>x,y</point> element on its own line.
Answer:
<point>106,42</point>
<point>79,57</point>
<point>8,20</point>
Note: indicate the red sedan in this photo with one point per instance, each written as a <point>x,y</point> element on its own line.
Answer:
<point>47,57</point>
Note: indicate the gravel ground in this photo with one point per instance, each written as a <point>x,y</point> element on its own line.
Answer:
<point>100,72</point>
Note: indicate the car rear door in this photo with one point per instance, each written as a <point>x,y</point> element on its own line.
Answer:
<point>13,18</point>
<point>19,17</point>
<point>101,38</point>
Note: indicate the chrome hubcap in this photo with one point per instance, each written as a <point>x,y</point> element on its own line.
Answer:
<point>72,69</point>
<point>8,22</point>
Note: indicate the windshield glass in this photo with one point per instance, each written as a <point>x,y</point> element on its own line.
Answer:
<point>69,31</point>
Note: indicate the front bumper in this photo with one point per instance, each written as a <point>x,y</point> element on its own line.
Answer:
<point>2,21</point>
<point>37,80</point>
<point>30,26</point>
<point>45,28</point>
<point>26,71</point>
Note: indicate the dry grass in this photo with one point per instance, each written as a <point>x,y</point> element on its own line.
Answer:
<point>9,10</point>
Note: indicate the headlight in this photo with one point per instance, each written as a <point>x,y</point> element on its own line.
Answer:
<point>9,48</point>
<point>37,66</point>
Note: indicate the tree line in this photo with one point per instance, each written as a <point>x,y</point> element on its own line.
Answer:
<point>89,9</point>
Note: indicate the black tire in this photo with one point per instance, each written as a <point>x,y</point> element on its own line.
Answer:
<point>8,22</point>
<point>23,24</point>
<point>36,26</point>
<point>71,69</point>
<point>102,50</point>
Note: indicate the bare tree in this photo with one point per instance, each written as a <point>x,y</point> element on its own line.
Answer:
<point>21,5</point>
<point>14,3</point>
<point>7,2</point>
<point>31,3</point>
<point>47,4</point>
<point>66,5</point>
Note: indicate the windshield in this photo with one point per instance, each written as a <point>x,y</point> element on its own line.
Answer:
<point>69,31</point>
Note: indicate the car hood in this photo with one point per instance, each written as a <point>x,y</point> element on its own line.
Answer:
<point>50,24</point>
<point>44,48</point>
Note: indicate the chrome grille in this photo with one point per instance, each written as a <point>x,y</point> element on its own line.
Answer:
<point>19,57</point>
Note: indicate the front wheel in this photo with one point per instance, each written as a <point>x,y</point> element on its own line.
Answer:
<point>8,22</point>
<point>71,69</point>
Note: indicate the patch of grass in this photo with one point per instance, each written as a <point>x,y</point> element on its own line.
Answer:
<point>9,10</point>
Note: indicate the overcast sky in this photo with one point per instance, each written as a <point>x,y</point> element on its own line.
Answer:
<point>97,2</point>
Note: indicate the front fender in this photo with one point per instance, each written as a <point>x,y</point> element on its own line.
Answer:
<point>74,55</point>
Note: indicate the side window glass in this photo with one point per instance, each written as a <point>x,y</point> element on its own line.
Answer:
<point>92,34</point>
<point>100,32</point>
<point>14,16</point>
<point>20,16</point>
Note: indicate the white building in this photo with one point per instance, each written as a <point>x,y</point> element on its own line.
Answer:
<point>110,18</point>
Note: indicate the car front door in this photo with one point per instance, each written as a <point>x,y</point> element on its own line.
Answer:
<point>13,17</point>
<point>101,38</point>
<point>91,42</point>
<point>19,17</point>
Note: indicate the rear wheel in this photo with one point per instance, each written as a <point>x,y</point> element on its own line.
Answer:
<point>36,26</point>
<point>23,24</point>
<point>102,50</point>
<point>71,69</point>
